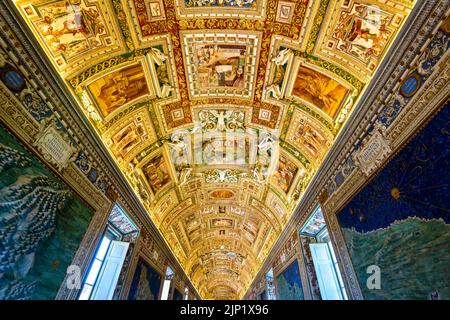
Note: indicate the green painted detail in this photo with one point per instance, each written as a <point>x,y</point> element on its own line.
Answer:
<point>295,153</point>
<point>316,115</point>
<point>345,75</point>
<point>153,117</point>
<point>122,20</point>
<point>315,30</point>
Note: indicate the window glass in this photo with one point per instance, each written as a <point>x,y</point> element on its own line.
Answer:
<point>93,273</point>
<point>103,249</point>
<point>86,292</point>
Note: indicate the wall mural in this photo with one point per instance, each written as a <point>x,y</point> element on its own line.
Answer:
<point>289,285</point>
<point>146,282</point>
<point>220,65</point>
<point>68,28</point>
<point>400,221</point>
<point>71,30</point>
<point>42,224</point>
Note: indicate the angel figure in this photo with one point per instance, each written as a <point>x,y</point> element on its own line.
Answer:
<point>179,148</point>
<point>282,57</point>
<point>266,148</point>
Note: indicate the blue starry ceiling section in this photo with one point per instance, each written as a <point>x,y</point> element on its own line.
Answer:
<point>399,222</point>
<point>415,183</point>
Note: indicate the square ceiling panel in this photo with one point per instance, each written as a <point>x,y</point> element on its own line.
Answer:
<point>221,64</point>
<point>254,9</point>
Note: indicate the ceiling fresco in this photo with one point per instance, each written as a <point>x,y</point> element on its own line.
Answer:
<point>218,112</point>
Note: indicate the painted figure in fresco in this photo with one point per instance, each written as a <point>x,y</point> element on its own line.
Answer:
<point>155,9</point>
<point>282,57</point>
<point>118,88</point>
<point>159,58</point>
<point>364,32</point>
<point>221,120</point>
<point>179,148</point>
<point>67,25</point>
<point>127,138</point>
<point>157,173</point>
<point>285,174</point>
<point>211,154</point>
<point>320,90</point>
<point>220,3</point>
<point>310,139</point>
<point>258,172</point>
<point>279,60</point>
<point>220,65</point>
<point>267,148</point>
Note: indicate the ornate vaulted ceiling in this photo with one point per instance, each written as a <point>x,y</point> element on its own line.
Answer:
<point>218,112</point>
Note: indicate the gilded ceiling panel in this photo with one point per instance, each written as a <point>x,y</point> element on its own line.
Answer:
<point>73,33</point>
<point>308,136</point>
<point>221,63</point>
<point>193,9</point>
<point>127,138</point>
<point>358,33</point>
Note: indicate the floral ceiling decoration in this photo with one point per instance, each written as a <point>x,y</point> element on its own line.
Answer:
<point>219,113</point>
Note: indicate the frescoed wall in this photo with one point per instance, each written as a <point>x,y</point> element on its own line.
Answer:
<point>146,282</point>
<point>289,286</point>
<point>42,224</point>
<point>400,221</point>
